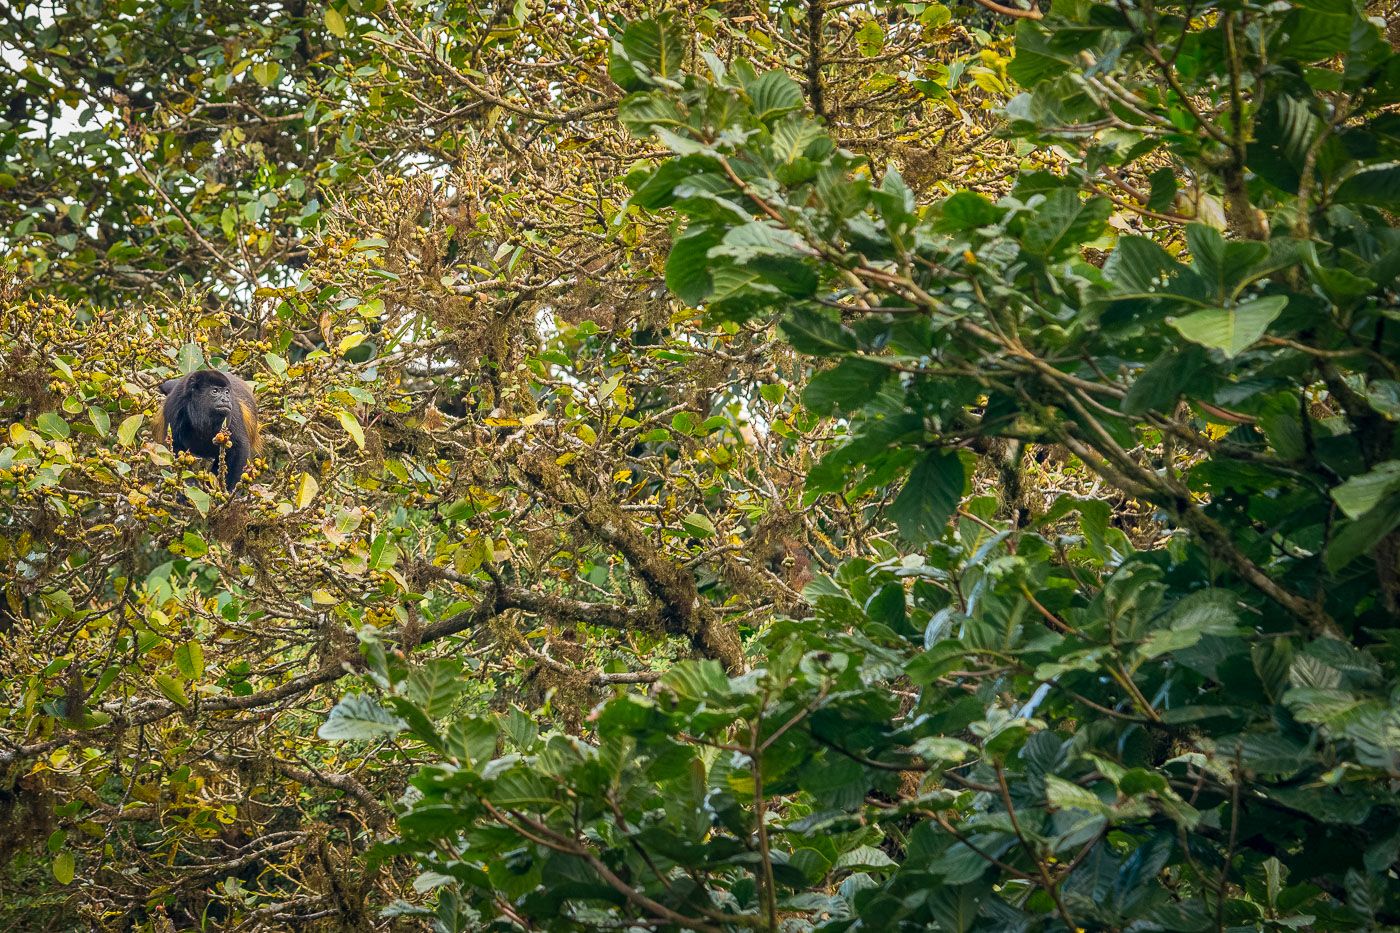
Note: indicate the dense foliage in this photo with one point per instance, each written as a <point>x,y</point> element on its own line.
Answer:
<point>1023,725</point>
<point>750,494</point>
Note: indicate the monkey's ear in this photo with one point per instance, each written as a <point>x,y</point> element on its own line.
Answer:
<point>167,385</point>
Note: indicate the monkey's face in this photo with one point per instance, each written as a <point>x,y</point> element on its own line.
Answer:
<point>219,400</point>
<point>209,407</point>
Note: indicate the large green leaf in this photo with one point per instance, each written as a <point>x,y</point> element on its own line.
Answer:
<point>929,497</point>
<point>1359,494</point>
<point>1064,222</point>
<point>688,266</point>
<point>811,333</point>
<point>1158,386</point>
<point>1362,535</point>
<point>435,685</point>
<point>1379,186</point>
<point>773,94</point>
<point>359,716</point>
<point>1231,330</point>
<point>1139,266</point>
<point>848,386</point>
<point>649,49</point>
<point>1034,59</point>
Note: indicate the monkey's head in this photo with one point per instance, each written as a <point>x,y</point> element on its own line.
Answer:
<point>208,398</point>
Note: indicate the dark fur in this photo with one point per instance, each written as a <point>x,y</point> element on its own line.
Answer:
<point>198,406</point>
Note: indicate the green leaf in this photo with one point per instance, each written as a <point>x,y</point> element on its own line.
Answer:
<point>870,38</point>
<point>774,93</point>
<point>968,210</point>
<point>810,333</point>
<point>864,857</point>
<point>359,716</point>
<point>1312,35</point>
<point>688,266</point>
<point>1378,186</point>
<point>189,660</point>
<point>1139,266</point>
<point>701,680</point>
<point>51,424</point>
<point>126,433</point>
<point>1361,536</point>
<point>100,420</point>
<point>650,48</point>
<point>1159,386</point>
<point>1224,266</point>
<point>1163,189</point>
<point>1034,60</point>
<point>1269,752</point>
<point>200,498</point>
<point>1064,222</point>
<point>1207,612</point>
<point>519,727</point>
<point>793,135</point>
<point>352,427</point>
<point>698,526</point>
<point>190,545</point>
<point>1359,494</point>
<point>382,553</point>
<point>657,188</point>
<point>473,739</point>
<point>1285,131</point>
<point>1231,330</point>
<point>955,906</point>
<point>171,689</point>
<point>417,723</point>
<point>435,686</point>
<point>848,386</point>
<point>63,867</point>
<point>190,358</point>
<point>929,497</point>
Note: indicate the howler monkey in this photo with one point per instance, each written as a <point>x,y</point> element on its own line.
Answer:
<point>198,406</point>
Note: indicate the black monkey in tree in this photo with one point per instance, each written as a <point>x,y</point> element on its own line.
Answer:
<point>211,413</point>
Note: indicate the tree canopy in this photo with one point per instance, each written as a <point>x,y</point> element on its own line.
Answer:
<point>803,466</point>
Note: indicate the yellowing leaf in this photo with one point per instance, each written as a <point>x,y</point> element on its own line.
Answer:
<point>335,23</point>
<point>352,427</point>
<point>307,488</point>
<point>266,72</point>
